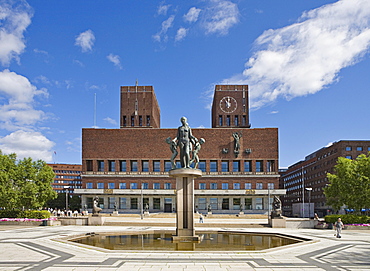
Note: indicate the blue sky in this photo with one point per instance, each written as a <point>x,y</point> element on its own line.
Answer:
<point>306,62</point>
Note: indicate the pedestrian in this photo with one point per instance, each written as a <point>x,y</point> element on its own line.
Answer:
<point>201,218</point>
<point>338,226</point>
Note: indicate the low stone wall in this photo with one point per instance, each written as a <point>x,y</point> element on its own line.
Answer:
<point>292,223</point>
<point>78,221</point>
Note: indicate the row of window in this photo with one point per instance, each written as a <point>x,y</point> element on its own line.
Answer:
<point>202,186</point>
<point>358,148</point>
<point>68,171</point>
<point>70,182</point>
<point>140,120</point>
<point>67,177</point>
<point>229,119</point>
<point>215,203</point>
<point>248,166</point>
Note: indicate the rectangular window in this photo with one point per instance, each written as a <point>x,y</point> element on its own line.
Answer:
<point>133,185</point>
<point>100,185</point>
<point>245,120</point>
<point>145,185</point>
<point>236,204</point>
<point>214,203</point>
<point>156,203</point>
<point>167,186</point>
<point>236,166</point>
<point>112,165</point>
<point>89,165</point>
<point>236,121</point>
<point>213,185</point>
<point>100,165</point>
<point>124,121</point>
<point>134,165</point>
<point>349,156</point>
<point>167,166</point>
<point>140,121</point>
<point>248,186</point>
<point>132,120</point>
<point>89,185</point>
<point>202,203</point>
<point>236,185</point>
<point>156,166</point>
<point>247,166</point>
<point>122,166</point>
<point>225,166</point>
<point>248,204</point>
<point>271,166</point>
<point>145,203</point>
<point>111,202</point>
<point>145,166</point>
<point>225,186</point>
<point>202,186</point>
<point>134,203</point>
<point>259,203</point>
<point>202,166</point>
<point>89,202</point>
<point>228,122</point>
<point>270,186</point>
<point>122,203</point>
<point>122,185</point>
<point>147,120</point>
<point>111,185</point>
<point>178,164</point>
<point>359,148</point>
<point>348,148</point>
<point>156,186</point>
<point>259,186</point>
<point>213,166</point>
<point>259,166</point>
<point>220,122</point>
<point>225,204</point>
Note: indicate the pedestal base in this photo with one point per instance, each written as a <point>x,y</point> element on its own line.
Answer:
<point>115,213</point>
<point>96,220</point>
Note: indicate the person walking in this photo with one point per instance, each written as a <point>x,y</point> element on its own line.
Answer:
<point>201,218</point>
<point>338,228</point>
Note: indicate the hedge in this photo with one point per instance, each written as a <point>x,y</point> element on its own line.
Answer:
<point>24,214</point>
<point>348,219</point>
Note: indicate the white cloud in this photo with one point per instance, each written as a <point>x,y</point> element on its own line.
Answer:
<point>181,33</point>
<point>27,144</point>
<point>14,20</point>
<point>18,94</point>
<point>162,34</point>
<point>110,120</point>
<point>115,59</point>
<point>220,16</point>
<point>162,9</point>
<point>305,57</point>
<point>192,15</point>
<point>85,40</point>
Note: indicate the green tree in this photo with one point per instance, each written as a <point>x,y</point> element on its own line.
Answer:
<point>24,183</point>
<point>350,184</point>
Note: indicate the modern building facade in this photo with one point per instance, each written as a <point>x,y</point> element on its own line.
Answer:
<point>128,167</point>
<point>305,180</point>
<point>67,177</point>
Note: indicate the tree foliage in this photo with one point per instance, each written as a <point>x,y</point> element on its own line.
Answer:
<point>74,202</point>
<point>350,184</point>
<point>24,184</point>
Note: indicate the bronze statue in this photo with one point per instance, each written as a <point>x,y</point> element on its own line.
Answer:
<point>197,147</point>
<point>173,148</point>
<point>96,209</point>
<point>276,208</point>
<point>236,137</point>
<point>185,139</point>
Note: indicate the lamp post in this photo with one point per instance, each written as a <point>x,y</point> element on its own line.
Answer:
<point>303,215</point>
<point>309,189</point>
<point>141,203</point>
<point>66,188</point>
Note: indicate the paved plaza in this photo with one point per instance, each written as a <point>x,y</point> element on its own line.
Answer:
<point>37,248</point>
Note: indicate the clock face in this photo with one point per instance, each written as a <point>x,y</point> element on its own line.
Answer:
<point>228,104</point>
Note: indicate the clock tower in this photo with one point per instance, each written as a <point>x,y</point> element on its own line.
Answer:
<point>230,106</point>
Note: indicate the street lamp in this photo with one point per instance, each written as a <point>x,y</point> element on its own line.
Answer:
<point>309,189</point>
<point>141,203</point>
<point>66,188</point>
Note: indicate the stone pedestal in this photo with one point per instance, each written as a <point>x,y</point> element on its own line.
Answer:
<point>96,220</point>
<point>185,203</point>
<point>277,222</point>
<point>115,213</point>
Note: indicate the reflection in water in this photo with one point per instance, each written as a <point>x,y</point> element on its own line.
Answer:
<point>214,241</point>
